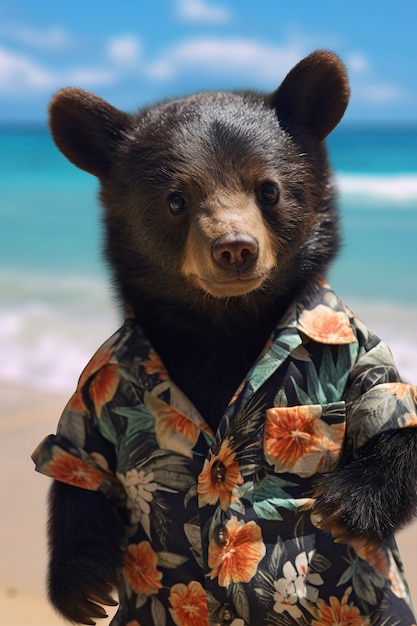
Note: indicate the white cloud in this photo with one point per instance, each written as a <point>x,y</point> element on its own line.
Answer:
<point>228,56</point>
<point>201,11</point>
<point>87,77</point>
<point>50,38</point>
<point>125,50</point>
<point>365,86</point>
<point>249,59</point>
<point>20,73</point>
<point>246,62</point>
<point>378,93</point>
<point>357,63</point>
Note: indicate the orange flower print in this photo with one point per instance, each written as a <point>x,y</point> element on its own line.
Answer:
<point>140,568</point>
<point>376,557</point>
<point>325,325</point>
<point>338,613</point>
<point>219,477</point>
<point>296,440</point>
<point>398,587</point>
<point>173,430</point>
<point>401,390</point>
<point>73,471</point>
<point>154,365</point>
<point>410,421</point>
<point>76,403</point>
<point>104,385</point>
<point>235,552</point>
<point>189,604</point>
<point>99,360</point>
<point>408,394</point>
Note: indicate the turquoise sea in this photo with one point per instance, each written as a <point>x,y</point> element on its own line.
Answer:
<point>56,305</point>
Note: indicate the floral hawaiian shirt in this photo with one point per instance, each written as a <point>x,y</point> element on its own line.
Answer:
<point>218,525</point>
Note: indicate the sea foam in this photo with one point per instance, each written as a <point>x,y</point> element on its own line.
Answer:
<point>400,188</point>
<point>50,327</point>
<point>46,342</point>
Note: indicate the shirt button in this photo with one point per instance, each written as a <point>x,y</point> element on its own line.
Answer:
<point>220,535</point>
<point>218,472</point>
<point>226,614</point>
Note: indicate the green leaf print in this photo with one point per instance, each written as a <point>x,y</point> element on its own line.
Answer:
<point>366,582</point>
<point>372,413</point>
<point>193,534</point>
<point>177,477</point>
<point>135,444</point>
<point>336,372</point>
<point>319,563</point>
<point>75,428</point>
<point>272,487</point>
<point>328,384</point>
<point>346,576</point>
<point>277,555</point>
<point>158,612</point>
<point>240,601</point>
<point>267,509</point>
<point>170,560</point>
<point>303,397</point>
<point>269,497</point>
<point>249,419</point>
<point>143,418</point>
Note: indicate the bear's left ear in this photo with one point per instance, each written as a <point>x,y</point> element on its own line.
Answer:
<point>314,95</point>
<point>87,129</point>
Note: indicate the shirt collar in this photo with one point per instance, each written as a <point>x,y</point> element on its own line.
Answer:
<point>317,313</point>
<point>321,316</point>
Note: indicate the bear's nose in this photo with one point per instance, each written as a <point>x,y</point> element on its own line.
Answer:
<point>235,250</point>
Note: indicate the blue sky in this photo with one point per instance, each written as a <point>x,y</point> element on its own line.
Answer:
<point>132,52</point>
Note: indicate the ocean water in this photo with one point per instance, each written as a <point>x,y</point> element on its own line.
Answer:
<point>56,302</point>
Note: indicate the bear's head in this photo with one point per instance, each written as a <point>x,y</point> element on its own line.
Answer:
<point>217,197</point>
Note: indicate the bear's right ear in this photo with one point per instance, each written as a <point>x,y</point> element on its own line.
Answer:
<point>87,129</point>
<point>313,96</point>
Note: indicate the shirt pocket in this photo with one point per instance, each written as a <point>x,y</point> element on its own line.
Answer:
<point>305,440</point>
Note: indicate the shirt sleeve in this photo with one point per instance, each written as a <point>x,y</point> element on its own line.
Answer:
<point>377,400</point>
<point>79,454</point>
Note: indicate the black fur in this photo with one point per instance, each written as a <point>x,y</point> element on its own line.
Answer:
<point>375,495</point>
<point>207,358</point>
<point>85,552</point>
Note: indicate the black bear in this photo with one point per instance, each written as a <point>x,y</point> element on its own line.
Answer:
<point>243,449</point>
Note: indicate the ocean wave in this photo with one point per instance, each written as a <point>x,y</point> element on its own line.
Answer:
<point>46,345</point>
<point>53,286</point>
<point>50,326</point>
<point>401,188</point>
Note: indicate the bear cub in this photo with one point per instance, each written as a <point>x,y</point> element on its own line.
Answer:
<point>242,410</point>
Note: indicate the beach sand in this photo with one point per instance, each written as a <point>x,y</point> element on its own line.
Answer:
<point>25,418</point>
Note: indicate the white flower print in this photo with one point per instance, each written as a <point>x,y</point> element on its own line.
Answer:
<point>139,487</point>
<point>296,584</point>
<point>285,598</point>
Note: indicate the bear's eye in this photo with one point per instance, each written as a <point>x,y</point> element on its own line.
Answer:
<point>269,193</point>
<point>176,203</point>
